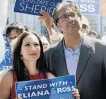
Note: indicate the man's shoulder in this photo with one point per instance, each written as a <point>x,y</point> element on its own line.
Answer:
<point>54,48</point>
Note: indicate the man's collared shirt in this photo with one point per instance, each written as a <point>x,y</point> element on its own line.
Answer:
<point>72,58</point>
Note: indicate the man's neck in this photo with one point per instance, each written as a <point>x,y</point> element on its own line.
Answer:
<point>72,41</point>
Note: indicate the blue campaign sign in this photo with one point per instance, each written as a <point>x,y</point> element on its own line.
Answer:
<point>55,88</point>
<point>5,53</point>
<point>35,6</point>
<point>88,7</point>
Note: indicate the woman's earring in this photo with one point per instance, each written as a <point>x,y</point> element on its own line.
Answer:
<point>21,57</point>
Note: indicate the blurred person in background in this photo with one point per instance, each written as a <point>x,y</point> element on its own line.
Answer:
<point>94,34</point>
<point>85,25</point>
<point>10,33</point>
<point>14,30</point>
<point>45,43</point>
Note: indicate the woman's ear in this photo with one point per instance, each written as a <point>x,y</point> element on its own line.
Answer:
<point>20,53</point>
<point>21,57</point>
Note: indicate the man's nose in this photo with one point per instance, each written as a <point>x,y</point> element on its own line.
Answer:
<point>70,20</point>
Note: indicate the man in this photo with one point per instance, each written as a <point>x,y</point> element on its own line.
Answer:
<point>54,33</point>
<point>77,54</point>
<point>11,32</point>
<point>14,30</point>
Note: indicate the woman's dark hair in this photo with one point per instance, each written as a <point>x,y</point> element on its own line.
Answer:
<point>19,68</point>
<point>59,6</point>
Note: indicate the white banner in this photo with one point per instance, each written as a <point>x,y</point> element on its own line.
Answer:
<point>3,12</point>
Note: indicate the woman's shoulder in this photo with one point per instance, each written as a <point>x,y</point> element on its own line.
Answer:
<point>50,75</point>
<point>6,77</point>
<point>5,84</point>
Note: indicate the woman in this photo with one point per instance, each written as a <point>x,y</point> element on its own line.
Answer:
<point>28,64</point>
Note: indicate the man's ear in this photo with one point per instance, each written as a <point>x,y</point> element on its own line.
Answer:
<point>58,24</point>
<point>59,27</point>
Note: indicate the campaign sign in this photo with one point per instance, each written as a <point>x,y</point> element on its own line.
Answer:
<point>55,88</point>
<point>35,6</point>
<point>5,53</point>
<point>88,7</point>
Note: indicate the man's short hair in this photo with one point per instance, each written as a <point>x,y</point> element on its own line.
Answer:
<point>17,26</point>
<point>71,4</point>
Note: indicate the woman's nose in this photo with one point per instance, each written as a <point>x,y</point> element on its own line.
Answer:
<point>33,47</point>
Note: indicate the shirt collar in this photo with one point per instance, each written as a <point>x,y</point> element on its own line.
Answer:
<point>77,49</point>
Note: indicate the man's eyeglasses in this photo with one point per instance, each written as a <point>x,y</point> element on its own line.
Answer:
<point>72,15</point>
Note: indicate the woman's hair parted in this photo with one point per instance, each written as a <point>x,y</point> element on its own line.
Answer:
<point>19,68</point>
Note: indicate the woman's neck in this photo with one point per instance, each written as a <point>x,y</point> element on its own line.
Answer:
<point>31,66</point>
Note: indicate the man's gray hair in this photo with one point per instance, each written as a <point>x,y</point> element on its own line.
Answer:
<point>61,5</point>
